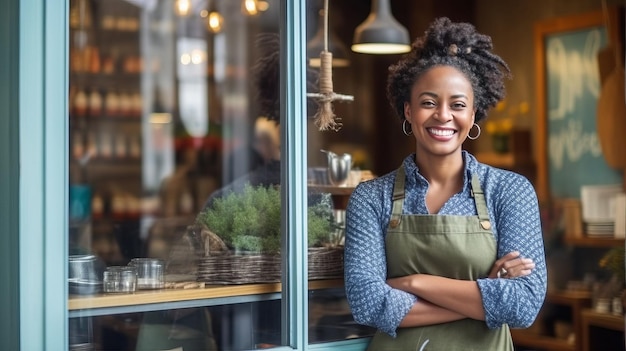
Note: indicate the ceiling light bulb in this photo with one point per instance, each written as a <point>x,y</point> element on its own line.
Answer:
<point>185,59</point>
<point>215,22</point>
<point>197,56</point>
<point>262,5</point>
<point>251,7</point>
<point>183,7</point>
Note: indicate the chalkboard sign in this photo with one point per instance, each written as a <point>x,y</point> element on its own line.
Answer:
<point>572,151</point>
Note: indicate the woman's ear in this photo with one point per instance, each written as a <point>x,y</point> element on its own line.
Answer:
<point>407,111</point>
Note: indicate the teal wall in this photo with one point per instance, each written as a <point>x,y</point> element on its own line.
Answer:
<point>9,174</point>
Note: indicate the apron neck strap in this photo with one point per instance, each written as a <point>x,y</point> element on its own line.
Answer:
<point>398,199</point>
<point>479,199</point>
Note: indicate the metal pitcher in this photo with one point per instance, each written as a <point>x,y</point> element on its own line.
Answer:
<point>339,167</point>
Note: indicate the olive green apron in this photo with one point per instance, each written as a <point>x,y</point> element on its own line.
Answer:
<point>458,247</point>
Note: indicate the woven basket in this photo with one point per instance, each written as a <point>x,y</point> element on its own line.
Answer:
<point>241,268</point>
<point>325,263</point>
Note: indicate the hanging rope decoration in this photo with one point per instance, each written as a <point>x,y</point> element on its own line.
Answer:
<point>325,118</point>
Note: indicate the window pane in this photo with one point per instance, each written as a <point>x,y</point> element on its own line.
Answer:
<point>201,328</point>
<point>175,206</point>
<point>335,166</point>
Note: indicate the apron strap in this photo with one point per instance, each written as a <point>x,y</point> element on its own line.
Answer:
<point>481,204</point>
<point>398,198</point>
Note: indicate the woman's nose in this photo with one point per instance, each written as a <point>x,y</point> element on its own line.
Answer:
<point>443,113</point>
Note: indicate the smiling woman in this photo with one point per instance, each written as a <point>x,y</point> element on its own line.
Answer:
<point>427,245</point>
<point>440,111</point>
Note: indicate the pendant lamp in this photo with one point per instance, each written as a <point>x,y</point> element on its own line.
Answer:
<point>316,46</point>
<point>381,33</point>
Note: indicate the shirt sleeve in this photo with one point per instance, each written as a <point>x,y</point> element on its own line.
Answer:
<point>371,300</point>
<point>516,301</point>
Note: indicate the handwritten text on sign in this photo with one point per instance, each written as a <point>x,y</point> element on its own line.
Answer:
<point>573,90</point>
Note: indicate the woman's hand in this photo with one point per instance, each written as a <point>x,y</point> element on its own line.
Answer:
<point>512,265</point>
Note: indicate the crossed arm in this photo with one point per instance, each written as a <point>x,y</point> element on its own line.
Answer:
<point>418,300</point>
<point>445,300</point>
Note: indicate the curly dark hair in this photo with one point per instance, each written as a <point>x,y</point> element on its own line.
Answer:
<point>451,44</point>
<point>266,79</point>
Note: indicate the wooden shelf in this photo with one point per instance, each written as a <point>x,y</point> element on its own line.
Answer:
<point>586,241</point>
<point>93,123</point>
<point>591,318</point>
<point>142,297</point>
<point>568,298</point>
<point>331,189</point>
<point>521,338</point>
<point>576,300</point>
<point>507,160</point>
<point>500,160</point>
<point>604,320</point>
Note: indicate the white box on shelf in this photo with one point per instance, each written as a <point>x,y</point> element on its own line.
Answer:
<point>596,202</point>
<point>619,203</point>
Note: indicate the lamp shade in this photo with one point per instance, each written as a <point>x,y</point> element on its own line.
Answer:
<point>316,45</point>
<point>381,33</point>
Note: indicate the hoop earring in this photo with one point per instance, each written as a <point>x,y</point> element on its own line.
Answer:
<point>404,128</point>
<point>477,134</point>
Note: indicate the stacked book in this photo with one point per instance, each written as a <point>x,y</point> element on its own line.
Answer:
<point>603,210</point>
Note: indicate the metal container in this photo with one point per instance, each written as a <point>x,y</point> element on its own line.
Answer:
<point>339,167</point>
<point>85,274</point>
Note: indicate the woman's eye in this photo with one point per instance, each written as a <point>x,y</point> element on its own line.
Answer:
<point>458,105</point>
<point>428,103</point>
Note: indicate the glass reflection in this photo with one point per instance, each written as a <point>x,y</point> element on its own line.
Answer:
<point>174,136</point>
<point>165,119</point>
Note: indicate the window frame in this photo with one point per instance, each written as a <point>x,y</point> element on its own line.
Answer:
<point>43,158</point>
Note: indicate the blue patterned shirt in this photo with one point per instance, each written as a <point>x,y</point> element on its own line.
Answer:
<point>516,225</point>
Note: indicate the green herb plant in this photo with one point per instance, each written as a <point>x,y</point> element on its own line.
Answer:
<point>613,261</point>
<point>250,220</point>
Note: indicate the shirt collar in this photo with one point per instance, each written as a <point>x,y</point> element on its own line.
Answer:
<point>414,178</point>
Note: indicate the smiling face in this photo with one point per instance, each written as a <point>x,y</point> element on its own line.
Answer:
<point>441,111</point>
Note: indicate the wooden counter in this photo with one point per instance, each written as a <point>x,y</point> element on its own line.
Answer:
<point>148,300</point>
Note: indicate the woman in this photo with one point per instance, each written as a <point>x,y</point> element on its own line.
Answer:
<point>423,242</point>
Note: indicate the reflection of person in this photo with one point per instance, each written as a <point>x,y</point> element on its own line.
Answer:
<point>422,242</point>
<point>266,74</point>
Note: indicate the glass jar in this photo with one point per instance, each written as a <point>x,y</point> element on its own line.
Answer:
<point>120,279</point>
<point>150,273</point>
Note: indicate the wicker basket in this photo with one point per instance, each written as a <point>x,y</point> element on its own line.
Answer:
<point>325,263</point>
<point>242,268</point>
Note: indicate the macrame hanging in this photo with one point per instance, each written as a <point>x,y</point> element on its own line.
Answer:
<point>325,118</point>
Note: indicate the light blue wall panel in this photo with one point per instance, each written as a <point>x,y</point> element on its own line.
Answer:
<point>43,164</point>
<point>293,129</point>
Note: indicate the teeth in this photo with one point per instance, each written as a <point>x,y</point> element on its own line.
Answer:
<point>441,132</point>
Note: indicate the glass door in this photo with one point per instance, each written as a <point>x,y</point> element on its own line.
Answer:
<point>187,228</point>
<point>175,176</point>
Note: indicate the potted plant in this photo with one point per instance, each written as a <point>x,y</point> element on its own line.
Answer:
<point>613,289</point>
<point>248,224</point>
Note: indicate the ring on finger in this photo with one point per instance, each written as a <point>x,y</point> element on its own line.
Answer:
<point>502,273</point>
